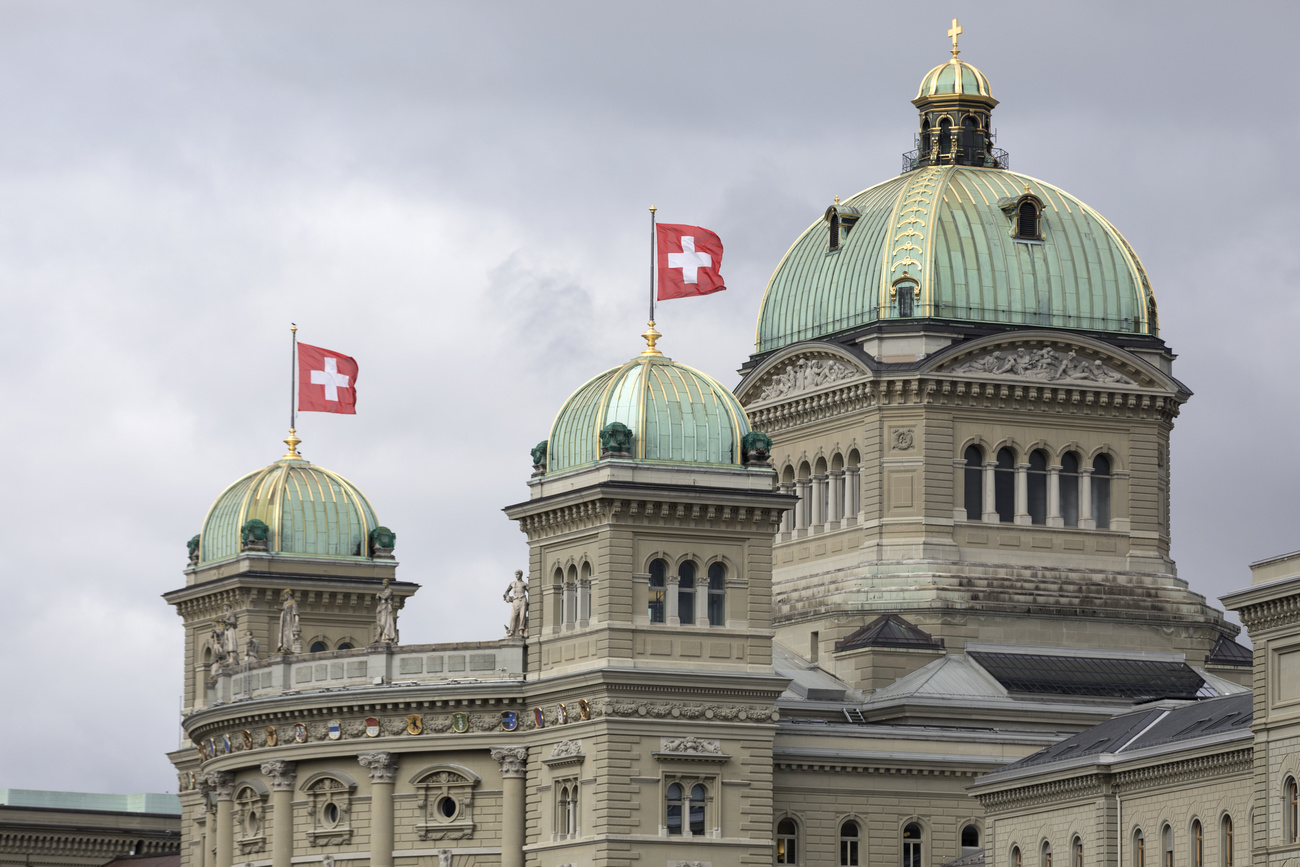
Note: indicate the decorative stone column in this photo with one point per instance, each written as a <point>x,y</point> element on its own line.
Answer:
<point>1086,520</point>
<point>383,772</point>
<point>514,771</point>
<point>990,503</point>
<point>1054,518</point>
<point>1022,494</point>
<point>801,508</point>
<point>818,502</point>
<point>787,517</point>
<point>670,587</point>
<point>837,497</point>
<point>584,601</point>
<point>283,777</point>
<point>223,783</point>
<point>208,819</point>
<point>853,496</point>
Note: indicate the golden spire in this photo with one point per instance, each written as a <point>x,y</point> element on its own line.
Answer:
<point>292,442</point>
<point>651,336</point>
<point>954,32</point>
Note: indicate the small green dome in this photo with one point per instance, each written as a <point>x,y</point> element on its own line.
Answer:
<point>942,238</point>
<point>953,78</point>
<point>675,414</point>
<point>310,511</point>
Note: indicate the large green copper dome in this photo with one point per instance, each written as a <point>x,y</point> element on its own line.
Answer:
<point>675,414</point>
<point>945,235</point>
<point>310,512</point>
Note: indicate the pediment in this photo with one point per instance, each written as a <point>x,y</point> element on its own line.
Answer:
<point>1051,360</point>
<point>803,372</point>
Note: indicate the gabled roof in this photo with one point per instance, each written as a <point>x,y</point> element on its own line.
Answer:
<point>1228,652</point>
<point>889,630</point>
<point>951,677</point>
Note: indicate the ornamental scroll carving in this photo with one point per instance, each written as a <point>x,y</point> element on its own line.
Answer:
<point>513,760</point>
<point>805,375</point>
<point>565,749</point>
<point>691,745</point>
<point>1045,364</point>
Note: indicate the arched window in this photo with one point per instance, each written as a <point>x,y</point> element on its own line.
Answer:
<point>833,219</point>
<point>584,593</point>
<point>1070,489</point>
<point>686,592</point>
<point>658,569</point>
<point>1292,816</point>
<point>698,799</point>
<point>319,647</point>
<point>974,483</point>
<point>1004,486</point>
<point>558,588</point>
<point>571,596</point>
<point>945,136</point>
<point>906,295</point>
<point>1037,487</point>
<point>1076,847</point>
<point>912,845</point>
<point>1101,491</point>
<point>925,138</point>
<point>1016,860</point>
<point>673,809</point>
<point>1225,841</point>
<point>1167,846</point>
<point>566,809</point>
<point>849,840</point>
<point>1198,844</point>
<point>787,842</point>
<point>345,646</point>
<point>1027,221</point>
<point>970,839</point>
<point>717,594</point>
<point>1045,856</point>
<point>1139,849</point>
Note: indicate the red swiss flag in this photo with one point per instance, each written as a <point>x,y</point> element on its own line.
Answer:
<point>690,261</point>
<point>327,381</point>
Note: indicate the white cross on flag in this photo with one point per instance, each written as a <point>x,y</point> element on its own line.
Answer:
<point>690,261</point>
<point>327,381</point>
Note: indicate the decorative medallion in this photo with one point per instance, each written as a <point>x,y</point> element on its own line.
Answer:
<point>212,748</point>
<point>372,727</point>
<point>540,717</point>
<point>561,714</point>
<point>584,709</point>
<point>272,736</point>
<point>227,747</point>
<point>248,739</point>
<point>335,729</point>
<point>300,733</point>
<point>509,721</point>
<point>903,438</point>
<point>414,724</point>
<point>460,723</point>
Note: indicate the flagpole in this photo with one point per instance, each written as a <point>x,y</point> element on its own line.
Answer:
<point>653,245</point>
<point>292,441</point>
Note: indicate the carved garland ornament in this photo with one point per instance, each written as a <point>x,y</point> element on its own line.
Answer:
<point>805,375</point>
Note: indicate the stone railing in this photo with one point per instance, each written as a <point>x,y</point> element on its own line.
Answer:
<point>369,667</point>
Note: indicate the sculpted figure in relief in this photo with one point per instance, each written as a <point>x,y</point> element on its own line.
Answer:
<point>385,616</point>
<point>290,628</point>
<point>805,375</point>
<point>517,595</point>
<point>1046,364</point>
<point>690,745</point>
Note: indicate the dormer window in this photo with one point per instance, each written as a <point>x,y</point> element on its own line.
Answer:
<point>1027,220</point>
<point>839,220</point>
<point>1026,215</point>
<point>904,293</point>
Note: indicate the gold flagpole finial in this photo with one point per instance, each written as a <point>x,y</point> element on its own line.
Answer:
<point>837,200</point>
<point>292,442</point>
<point>651,336</point>
<point>954,32</point>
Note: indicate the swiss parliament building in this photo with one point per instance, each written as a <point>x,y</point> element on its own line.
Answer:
<point>902,597</point>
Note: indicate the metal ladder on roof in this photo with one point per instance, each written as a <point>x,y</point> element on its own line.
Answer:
<point>853,715</point>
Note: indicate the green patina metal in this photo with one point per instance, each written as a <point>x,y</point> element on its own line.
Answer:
<point>954,77</point>
<point>675,414</point>
<point>308,510</point>
<point>942,229</point>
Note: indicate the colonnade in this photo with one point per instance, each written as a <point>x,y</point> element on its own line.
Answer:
<point>1020,506</point>
<point>827,501</point>
<point>283,775</point>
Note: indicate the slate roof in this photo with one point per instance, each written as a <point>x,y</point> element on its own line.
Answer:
<point>1228,652</point>
<point>1045,674</point>
<point>889,630</point>
<point>1151,727</point>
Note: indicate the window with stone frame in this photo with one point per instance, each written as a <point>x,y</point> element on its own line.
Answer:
<point>446,798</point>
<point>566,808</point>
<point>1225,841</point>
<point>1291,808</point>
<point>689,809</point>
<point>787,841</point>
<point>329,806</point>
<point>912,845</point>
<point>850,842</point>
<point>250,819</point>
<point>1139,848</point>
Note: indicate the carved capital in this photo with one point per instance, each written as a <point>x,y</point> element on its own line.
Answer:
<point>513,760</point>
<point>283,774</point>
<point>221,782</point>
<point>382,766</point>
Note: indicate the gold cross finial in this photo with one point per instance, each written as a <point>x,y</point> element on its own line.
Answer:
<point>954,32</point>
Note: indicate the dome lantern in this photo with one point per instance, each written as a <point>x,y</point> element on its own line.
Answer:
<point>955,102</point>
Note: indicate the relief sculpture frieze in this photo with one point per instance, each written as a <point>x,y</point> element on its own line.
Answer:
<point>806,374</point>
<point>1045,363</point>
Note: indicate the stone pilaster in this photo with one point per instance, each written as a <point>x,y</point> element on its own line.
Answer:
<point>383,774</point>
<point>223,783</point>
<point>283,777</point>
<point>514,773</point>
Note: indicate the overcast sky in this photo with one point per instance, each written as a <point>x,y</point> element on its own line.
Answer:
<point>456,194</point>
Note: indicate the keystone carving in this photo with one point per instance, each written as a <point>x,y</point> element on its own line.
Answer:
<point>1046,364</point>
<point>805,375</point>
<point>283,774</point>
<point>382,766</point>
<point>513,760</point>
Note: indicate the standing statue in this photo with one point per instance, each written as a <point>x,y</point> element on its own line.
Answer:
<point>517,595</point>
<point>385,617</point>
<point>290,628</point>
<point>230,635</point>
<point>217,644</point>
<point>251,646</point>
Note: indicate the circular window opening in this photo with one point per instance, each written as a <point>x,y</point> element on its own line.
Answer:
<point>447,807</point>
<point>254,823</point>
<point>330,813</point>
